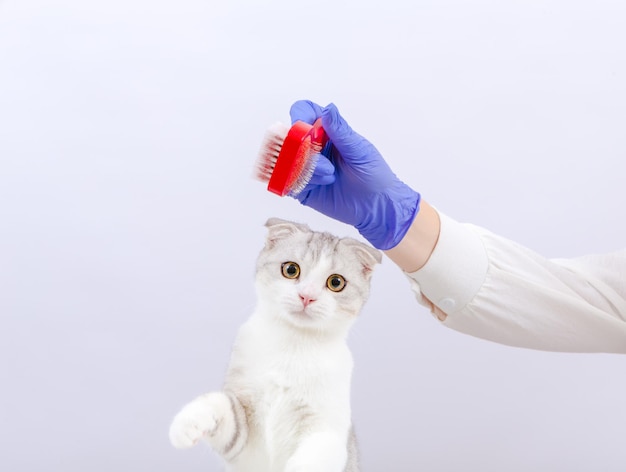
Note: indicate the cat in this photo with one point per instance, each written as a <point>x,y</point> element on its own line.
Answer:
<point>285,403</point>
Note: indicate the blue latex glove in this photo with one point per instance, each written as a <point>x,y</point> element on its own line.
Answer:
<point>352,183</point>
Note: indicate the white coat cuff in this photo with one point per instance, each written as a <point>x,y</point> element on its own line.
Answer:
<point>456,269</point>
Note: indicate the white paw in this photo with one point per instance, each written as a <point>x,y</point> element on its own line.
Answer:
<point>304,468</point>
<point>194,422</point>
<point>299,468</point>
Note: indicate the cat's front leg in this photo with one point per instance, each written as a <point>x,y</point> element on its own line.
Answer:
<point>217,417</point>
<point>319,452</point>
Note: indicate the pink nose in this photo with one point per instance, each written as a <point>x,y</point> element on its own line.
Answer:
<point>306,300</point>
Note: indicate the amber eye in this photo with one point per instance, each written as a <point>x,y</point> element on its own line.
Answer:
<point>291,270</point>
<point>336,283</point>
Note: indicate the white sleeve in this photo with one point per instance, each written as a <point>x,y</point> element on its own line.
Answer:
<point>495,289</point>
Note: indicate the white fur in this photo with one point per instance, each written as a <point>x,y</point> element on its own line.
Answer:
<point>285,404</point>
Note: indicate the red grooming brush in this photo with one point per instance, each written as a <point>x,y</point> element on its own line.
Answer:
<point>288,156</point>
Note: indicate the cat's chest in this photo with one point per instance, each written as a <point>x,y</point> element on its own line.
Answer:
<point>279,372</point>
<point>276,385</point>
<point>288,389</point>
<point>275,369</point>
<point>272,374</point>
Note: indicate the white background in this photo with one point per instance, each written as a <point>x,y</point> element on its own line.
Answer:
<point>129,222</point>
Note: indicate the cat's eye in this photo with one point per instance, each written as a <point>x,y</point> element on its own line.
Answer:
<point>336,283</point>
<point>290,270</point>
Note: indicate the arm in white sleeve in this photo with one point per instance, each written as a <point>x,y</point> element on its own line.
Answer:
<point>487,286</point>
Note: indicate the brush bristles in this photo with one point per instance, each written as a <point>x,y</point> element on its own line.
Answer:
<point>306,173</point>
<point>270,148</point>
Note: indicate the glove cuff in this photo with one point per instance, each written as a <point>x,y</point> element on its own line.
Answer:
<point>391,217</point>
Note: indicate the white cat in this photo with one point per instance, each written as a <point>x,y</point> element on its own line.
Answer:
<point>285,403</point>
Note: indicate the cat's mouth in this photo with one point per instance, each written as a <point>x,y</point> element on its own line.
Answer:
<point>303,314</point>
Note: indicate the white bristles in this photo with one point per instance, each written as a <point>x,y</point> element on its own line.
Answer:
<point>270,148</point>
<point>307,173</point>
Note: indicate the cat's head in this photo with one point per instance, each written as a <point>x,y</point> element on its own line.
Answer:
<point>313,280</point>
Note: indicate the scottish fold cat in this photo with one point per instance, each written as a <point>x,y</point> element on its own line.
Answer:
<point>285,402</point>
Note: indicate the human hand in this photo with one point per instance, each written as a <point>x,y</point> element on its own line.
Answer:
<point>352,182</point>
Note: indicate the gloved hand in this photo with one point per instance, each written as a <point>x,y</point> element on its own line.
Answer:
<point>352,183</point>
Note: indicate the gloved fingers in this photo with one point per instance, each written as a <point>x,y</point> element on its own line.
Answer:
<point>351,145</point>
<point>324,173</point>
<point>305,110</point>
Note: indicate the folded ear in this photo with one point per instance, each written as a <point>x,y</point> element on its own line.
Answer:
<point>365,254</point>
<point>279,229</point>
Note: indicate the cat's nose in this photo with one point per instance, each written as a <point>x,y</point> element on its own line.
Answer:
<point>306,300</point>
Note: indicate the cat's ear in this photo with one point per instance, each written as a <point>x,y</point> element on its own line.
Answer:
<point>366,255</point>
<point>279,229</point>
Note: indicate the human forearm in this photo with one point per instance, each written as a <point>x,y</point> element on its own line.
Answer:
<point>419,242</point>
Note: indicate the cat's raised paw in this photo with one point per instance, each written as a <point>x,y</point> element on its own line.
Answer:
<point>190,425</point>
